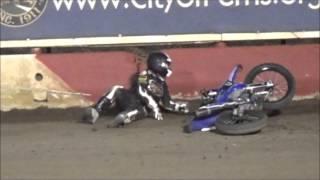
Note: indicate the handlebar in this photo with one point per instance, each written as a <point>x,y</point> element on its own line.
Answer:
<point>235,72</point>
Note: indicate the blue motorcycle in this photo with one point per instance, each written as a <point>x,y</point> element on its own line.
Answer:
<point>240,108</point>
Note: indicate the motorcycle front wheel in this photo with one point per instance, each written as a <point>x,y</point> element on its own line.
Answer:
<point>251,122</point>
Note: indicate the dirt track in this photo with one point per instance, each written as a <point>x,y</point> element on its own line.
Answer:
<point>51,144</point>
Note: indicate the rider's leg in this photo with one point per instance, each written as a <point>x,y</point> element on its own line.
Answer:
<point>128,116</point>
<point>104,102</point>
<point>108,99</point>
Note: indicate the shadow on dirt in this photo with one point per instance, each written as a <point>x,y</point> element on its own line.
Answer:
<point>75,114</point>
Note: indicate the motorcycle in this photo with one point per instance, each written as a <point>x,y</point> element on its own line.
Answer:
<point>240,108</point>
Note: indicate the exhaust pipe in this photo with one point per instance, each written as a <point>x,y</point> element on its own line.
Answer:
<point>209,109</point>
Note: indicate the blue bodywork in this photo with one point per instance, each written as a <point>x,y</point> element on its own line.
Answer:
<point>223,96</point>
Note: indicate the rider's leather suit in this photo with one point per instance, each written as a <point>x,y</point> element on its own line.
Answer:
<point>148,94</point>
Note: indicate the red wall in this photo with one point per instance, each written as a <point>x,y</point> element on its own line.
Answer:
<point>194,68</point>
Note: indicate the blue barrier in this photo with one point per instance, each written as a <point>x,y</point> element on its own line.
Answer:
<point>52,19</point>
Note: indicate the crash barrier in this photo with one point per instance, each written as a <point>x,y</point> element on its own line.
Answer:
<point>26,83</point>
<point>78,79</point>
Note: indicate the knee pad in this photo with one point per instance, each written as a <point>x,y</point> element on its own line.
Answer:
<point>118,121</point>
<point>127,116</point>
<point>112,93</point>
<point>121,117</point>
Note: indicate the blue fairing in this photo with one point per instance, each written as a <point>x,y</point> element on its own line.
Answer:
<point>223,96</point>
<point>224,92</point>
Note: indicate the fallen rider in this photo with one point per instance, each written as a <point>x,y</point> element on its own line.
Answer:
<point>146,97</point>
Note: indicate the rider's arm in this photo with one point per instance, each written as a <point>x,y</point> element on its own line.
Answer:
<point>149,100</point>
<point>171,105</point>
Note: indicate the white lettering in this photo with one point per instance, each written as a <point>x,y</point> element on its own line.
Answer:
<point>158,5</point>
<point>82,3</point>
<point>92,3</point>
<point>185,4</point>
<point>288,2</point>
<point>198,3</point>
<point>5,18</point>
<point>266,2</point>
<point>314,6</point>
<point>247,2</point>
<point>226,2</point>
<point>150,4</point>
<point>58,4</point>
<point>237,2</point>
<point>137,5</point>
<point>168,7</point>
<point>205,3</point>
<point>105,3</point>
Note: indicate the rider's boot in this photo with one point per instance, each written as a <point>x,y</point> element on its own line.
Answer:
<point>93,113</point>
<point>105,102</point>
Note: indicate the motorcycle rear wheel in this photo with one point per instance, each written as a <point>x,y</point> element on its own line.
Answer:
<point>251,122</point>
<point>284,84</point>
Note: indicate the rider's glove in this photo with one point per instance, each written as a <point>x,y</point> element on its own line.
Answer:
<point>157,115</point>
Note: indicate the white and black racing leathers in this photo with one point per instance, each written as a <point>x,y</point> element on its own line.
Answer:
<point>148,94</point>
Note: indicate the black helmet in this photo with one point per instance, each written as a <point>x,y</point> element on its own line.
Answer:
<point>159,63</point>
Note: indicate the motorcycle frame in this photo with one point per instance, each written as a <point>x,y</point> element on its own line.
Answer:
<point>221,99</point>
